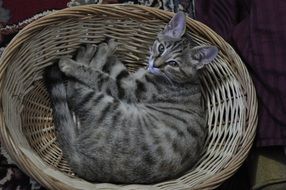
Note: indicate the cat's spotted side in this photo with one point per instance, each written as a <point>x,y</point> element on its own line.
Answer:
<point>121,127</point>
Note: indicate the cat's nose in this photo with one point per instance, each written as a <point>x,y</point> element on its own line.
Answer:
<point>158,63</point>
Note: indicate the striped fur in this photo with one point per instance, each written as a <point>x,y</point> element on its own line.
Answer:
<point>121,127</point>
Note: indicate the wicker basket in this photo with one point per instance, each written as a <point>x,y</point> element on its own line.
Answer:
<point>26,127</point>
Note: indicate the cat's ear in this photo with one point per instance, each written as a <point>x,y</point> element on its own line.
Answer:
<point>202,55</point>
<point>175,29</point>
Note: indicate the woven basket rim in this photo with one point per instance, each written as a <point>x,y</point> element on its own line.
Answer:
<point>197,27</point>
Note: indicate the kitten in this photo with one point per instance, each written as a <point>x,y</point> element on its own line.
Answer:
<point>120,127</point>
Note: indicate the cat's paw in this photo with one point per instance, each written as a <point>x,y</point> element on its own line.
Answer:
<point>86,53</point>
<point>65,65</point>
<point>105,50</point>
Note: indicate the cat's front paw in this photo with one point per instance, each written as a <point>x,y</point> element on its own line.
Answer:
<point>105,50</point>
<point>86,53</point>
<point>65,65</point>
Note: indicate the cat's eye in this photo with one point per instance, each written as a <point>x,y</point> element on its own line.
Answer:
<point>173,63</point>
<point>161,48</point>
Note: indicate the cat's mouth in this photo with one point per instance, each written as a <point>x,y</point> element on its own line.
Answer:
<point>154,70</point>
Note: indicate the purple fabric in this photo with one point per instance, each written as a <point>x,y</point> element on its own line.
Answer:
<point>257,30</point>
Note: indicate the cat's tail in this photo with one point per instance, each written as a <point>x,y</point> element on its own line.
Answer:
<point>62,116</point>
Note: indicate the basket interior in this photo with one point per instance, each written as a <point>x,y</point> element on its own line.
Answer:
<point>27,108</point>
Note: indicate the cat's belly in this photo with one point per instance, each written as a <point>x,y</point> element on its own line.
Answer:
<point>139,149</point>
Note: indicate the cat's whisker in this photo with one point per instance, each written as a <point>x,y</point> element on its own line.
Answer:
<point>168,79</point>
<point>158,72</point>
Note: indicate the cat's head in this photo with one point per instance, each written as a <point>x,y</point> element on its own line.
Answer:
<point>171,55</point>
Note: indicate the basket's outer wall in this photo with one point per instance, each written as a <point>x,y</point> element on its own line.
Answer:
<point>228,90</point>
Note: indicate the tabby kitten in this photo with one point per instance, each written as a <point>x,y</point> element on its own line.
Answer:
<point>121,127</point>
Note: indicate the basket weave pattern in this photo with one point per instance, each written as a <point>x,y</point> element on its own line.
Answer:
<point>27,129</point>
